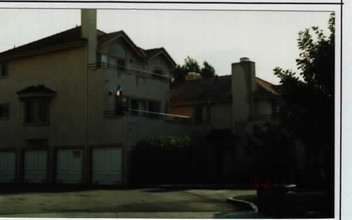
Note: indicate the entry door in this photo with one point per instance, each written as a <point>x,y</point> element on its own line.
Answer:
<point>107,166</point>
<point>35,166</point>
<point>7,166</point>
<point>69,166</point>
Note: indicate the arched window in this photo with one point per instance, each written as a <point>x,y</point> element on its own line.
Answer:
<point>118,55</point>
<point>117,51</point>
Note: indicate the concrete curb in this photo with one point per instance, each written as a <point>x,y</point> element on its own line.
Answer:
<point>243,203</point>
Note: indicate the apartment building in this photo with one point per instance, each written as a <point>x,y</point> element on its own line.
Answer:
<point>73,105</point>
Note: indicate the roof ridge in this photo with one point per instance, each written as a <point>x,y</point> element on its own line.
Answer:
<point>42,39</point>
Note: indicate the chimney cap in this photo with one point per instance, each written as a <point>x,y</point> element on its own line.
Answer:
<point>244,59</point>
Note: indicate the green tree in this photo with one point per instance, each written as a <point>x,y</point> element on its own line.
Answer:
<point>207,71</point>
<point>308,98</point>
<point>191,65</point>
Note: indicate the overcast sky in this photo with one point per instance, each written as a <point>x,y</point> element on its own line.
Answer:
<point>268,38</point>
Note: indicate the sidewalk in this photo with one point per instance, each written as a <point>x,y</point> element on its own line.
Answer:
<point>198,215</point>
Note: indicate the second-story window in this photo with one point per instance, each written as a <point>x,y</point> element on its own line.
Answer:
<point>4,111</point>
<point>36,104</point>
<point>102,60</point>
<point>4,70</point>
<point>37,111</point>
<point>117,56</point>
<point>120,64</point>
<point>159,74</point>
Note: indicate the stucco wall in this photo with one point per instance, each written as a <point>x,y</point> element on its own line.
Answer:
<point>60,71</point>
<point>222,115</point>
<point>263,107</point>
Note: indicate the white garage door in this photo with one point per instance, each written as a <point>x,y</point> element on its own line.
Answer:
<point>107,166</point>
<point>35,166</point>
<point>7,166</point>
<point>69,166</point>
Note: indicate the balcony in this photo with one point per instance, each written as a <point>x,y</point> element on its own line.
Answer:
<point>149,115</point>
<point>130,70</point>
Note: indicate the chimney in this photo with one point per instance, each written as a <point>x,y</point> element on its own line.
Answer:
<point>243,86</point>
<point>89,32</point>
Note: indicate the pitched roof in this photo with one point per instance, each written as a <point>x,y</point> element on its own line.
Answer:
<point>72,38</point>
<point>267,86</point>
<point>216,89</point>
<point>202,90</point>
<point>144,53</point>
<point>62,39</point>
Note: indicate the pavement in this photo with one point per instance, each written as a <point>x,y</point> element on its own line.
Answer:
<point>157,202</point>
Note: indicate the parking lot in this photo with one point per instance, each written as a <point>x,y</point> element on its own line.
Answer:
<point>124,203</point>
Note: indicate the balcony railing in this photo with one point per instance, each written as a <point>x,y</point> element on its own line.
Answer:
<point>133,70</point>
<point>263,117</point>
<point>149,114</point>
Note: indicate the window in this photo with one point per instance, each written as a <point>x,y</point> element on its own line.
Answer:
<point>120,64</point>
<point>120,105</point>
<point>4,70</point>
<point>36,101</point>
<point>198,114</point>
<point>4,111</point>
<point>158,74</point>
<point>37,111</point>
<point>117,51</point>
<point>202,114</point>
<point>102,60</point>
<point>154,106</point>
<point>134,107</point>
<point>118,56</point>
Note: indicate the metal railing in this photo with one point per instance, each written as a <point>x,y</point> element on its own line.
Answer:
<point>149,114</point>
<point>263,117</point>
<point>104,65</point>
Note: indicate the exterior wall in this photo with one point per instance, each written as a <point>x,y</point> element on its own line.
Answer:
<point>263,107</point>
<point>102,129</point>
<point>60,71</point>
<point>182,110</point>
<point>222,115</point>
<point>159,63</point>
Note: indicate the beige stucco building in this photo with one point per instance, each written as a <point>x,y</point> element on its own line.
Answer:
<point>73,104</point>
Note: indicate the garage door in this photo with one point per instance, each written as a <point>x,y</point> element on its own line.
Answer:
<point>7,166</point>
<point>35,166</point>
<point>69,166</point>
<point>107,166</point>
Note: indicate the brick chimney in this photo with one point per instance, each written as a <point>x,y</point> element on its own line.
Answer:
<point>89,32</point>
<point>243,86</point>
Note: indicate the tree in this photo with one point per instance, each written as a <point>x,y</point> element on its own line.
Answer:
<point>191,65</point>
<point>207,71</point>
<point>308,97</point>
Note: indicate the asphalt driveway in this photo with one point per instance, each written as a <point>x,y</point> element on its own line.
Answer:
<point>125,203</point>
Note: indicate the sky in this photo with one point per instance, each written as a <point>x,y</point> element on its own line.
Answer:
<point>269,38</point>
